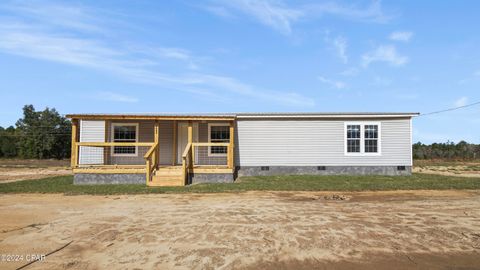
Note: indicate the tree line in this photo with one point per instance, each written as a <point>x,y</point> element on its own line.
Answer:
<point>449,150</point>
<point>37,135</point>
<point>47,134</point>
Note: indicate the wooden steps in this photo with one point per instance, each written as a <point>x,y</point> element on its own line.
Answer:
<point>168,176</point>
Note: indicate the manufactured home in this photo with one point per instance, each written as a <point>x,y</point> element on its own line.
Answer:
<point>179,149</point>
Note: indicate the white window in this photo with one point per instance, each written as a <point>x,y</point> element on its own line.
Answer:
<point>124,132</point>
<point>371,138</point>
<point>353,138</point>
<point>218,133</point>
<point>362,138</point>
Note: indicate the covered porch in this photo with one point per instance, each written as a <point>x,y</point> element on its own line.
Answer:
<point>168,151</point>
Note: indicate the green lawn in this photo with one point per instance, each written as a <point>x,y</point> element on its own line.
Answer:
<point>64,184</point>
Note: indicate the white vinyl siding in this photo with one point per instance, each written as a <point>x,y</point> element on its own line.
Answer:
<point>312,142</point>
<point>91,131</point>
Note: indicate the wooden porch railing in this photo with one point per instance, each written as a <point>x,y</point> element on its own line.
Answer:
<point>188,156</point>
<point>151,157</point>
<point>230,158</point>
<point>151,161</point>
<point>76,145</point>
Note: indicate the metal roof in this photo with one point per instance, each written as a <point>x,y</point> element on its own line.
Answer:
<point>157,114</point>
<point>251,115</point>
<point>326,113</point>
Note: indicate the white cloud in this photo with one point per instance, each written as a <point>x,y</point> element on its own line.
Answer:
<point>461,102</point>
<point>274,14</point>
<point>172,53</point>
<point>175,53</point>
<point>371,13</point>
<point>234,86</point>
<point>69,16</point>
<point>384,53</point>
<point>332,83</point>
<point>349,72</point>
<point>280,16</point>
<point>404,36</point>
<point>116,97</point>
<point>41,40</point>
<point>340,44</point>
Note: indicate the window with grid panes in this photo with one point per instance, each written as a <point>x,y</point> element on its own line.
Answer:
<point>125,133</point>
<point>371,138</point>
<point>353,138</point>
<point>219,134</point>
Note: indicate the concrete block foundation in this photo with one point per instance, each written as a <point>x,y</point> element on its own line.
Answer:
<point>322,170</point>
<point>110,178</point>
<point>197,178</point>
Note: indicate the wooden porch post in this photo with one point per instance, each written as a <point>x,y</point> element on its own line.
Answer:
<point>73,153</point>
<point>174,153</point>
<point>190,132</point>
<point>231,160</point>
<point>156,155</point>
<point>190,140</point>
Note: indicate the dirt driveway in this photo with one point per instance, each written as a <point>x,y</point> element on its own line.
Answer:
<point>254,230</point>
<point>12,170</point>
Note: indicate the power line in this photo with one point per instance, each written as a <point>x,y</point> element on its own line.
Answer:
<point>450,109</point>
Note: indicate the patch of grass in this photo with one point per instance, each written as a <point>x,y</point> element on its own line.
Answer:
<point>64,184</point>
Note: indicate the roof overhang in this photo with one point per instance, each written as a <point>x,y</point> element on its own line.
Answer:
<point>326,115</point>
<point>233,116</point>
<point>149,117</point>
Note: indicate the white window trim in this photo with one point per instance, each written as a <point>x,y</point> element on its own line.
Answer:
<point>362,152</point>
<point>112,133</point>
<point>209,139</point>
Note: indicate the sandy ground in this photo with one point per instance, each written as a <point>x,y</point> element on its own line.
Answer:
<point>253,230</point>
<point>12,170</point>
<point>461,171</point>
<point>8,174</point>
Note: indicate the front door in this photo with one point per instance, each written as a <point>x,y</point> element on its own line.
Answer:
<point>182,137</point>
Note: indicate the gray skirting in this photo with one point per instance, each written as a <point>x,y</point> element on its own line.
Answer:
<point>326,170</point>
<point>197,178</point>
<point>101,179</point>
<point>105,179</point>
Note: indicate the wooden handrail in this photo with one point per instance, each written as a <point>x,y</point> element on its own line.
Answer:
<point>151,161</point>
<point>151,150</point>
<point>210,144</point>
<point>187,149</point>
<point>114,144</point>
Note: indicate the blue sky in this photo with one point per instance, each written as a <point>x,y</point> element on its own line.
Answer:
<point>245,56</point>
